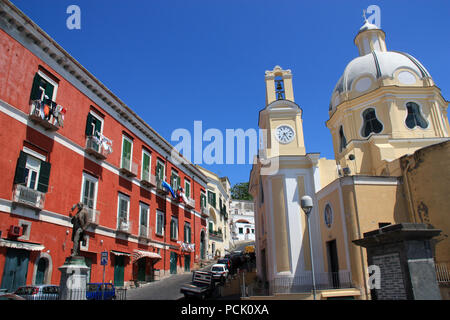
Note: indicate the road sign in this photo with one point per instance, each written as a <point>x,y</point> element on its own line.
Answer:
<point>104,258</point>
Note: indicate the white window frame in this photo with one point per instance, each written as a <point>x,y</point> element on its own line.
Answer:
<point>146,207</point>
<point>51,81</point>
<point>31,168</point>
<point>124,137</point>
<point>159,214</point>
<point>99,118</point>
<point>127,198</point>
<point>190,189</point>
<point>163,166</point>
<point>93,179</point>
<point>177,228</point>
<point>142,164</point>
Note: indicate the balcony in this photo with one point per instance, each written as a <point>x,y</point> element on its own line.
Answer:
<point>144,232</point>
<point>190,204</point>
<point>216,235</point>
<point>53,120</point>
<point>160,189</point>
<point>148,180</point>
<point>129,168</point>
<point>93,216</point>
<point>124,227</point>
<point>98,147</point>
<point>27,197</point>
<point>204,211</point>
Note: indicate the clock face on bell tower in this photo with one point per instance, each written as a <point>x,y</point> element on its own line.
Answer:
<point>284,134</point>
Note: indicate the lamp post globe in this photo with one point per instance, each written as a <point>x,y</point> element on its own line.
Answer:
<point>306,203</point>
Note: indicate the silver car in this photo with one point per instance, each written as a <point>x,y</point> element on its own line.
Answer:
<point>38,292</point>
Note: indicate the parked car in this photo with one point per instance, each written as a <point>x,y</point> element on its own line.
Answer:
<point>219,272</point>
<point>225,261</point>
<point>202,286</point>
<point>10,296</point>
<point>38,292</point>
<point>100,291</point>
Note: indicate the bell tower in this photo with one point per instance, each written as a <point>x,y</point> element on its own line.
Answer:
<point>282,117</point>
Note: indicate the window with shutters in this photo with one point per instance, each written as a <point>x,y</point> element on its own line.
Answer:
<point>146,165</point>
<point>123,213</point>
<point>159,222</point>
<point>44,88</point>
<point>174,228</point>
<point>175,180</point>
<point>160,170</point>
<point>89,191</point>
<point>187,188</point>
<point>32,172</point>
<point>212,198</point>
<point>143,220</point>
<point>187,232</point>
<point>127,150</point>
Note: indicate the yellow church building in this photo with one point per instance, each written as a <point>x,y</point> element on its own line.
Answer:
<point>390,131</point>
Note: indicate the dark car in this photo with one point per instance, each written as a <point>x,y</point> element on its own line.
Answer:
<point>38,292</point>
<point>225,261</point>
<point>100,291</point>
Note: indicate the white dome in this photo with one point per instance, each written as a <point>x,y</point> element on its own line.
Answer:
<point>377,64</point>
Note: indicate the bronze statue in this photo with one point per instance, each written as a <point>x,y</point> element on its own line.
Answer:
<point>80,224</point>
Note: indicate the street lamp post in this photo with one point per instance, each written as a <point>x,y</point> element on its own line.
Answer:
<point>307,205</point>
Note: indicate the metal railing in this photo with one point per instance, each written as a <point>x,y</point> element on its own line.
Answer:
<point>124,226</point>
<point>303,283</point>
<point>129,167</point>
<point>29,197</point>
<point>49,120</point>
<point>205,211</point>
<point>443,272</point>
<point>143,231</point>
<point>93,216</point>
<point>148,179</point>
<point>190,203</point>
<point>78,294</point>
<point>96,148</point>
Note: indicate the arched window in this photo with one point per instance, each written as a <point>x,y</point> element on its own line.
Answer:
<point>415,118</point>
<point>279,88</point>
<point>371,123</point>
<point>342,140</point>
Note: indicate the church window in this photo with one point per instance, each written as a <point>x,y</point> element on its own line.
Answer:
<point>342,139</point>
<point>371,123</point>
<point>415,118</point>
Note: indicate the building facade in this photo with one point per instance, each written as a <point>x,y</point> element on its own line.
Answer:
<point>390,131</point>
<point>242,223</point>
<point>216,204</point>
<point>68,139</point>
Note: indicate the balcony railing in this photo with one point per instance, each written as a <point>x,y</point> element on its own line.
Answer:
<point>303,283</point>
<point>159,188</point>
<point>205,211</point>
<point>144,232</point>
<point>148,180</point>
<point>49,115</point>
<point>93,216</point>
<point>28,197</point>
<point>124,226</point>
<point>443,273</point>
<point>190,204</point>
<point>129,168</point>
<point>97,147</point>
<point>216,235</point>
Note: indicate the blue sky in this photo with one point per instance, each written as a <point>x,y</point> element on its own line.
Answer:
<point>177,61</point>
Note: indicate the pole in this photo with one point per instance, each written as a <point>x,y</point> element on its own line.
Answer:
<point>103,284</point>
<point>312,259</point>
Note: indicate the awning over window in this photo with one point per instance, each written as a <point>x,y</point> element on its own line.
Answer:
<point>120,253</point>
<point>141,254</point>
<point>21,245</point>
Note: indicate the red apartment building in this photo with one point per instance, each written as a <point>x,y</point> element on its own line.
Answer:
<point>66,138</point>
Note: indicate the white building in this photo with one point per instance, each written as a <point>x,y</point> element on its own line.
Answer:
<point>242,223</point>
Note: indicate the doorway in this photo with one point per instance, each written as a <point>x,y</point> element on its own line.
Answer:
<point>40,272</point>
<point>173,263</point>
<point>333,263</point>
<point>187,263</point>
<point>15,270</point>
<point>119,270</point>
<point>141,264</point>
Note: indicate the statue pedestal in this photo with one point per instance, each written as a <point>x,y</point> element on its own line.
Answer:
<point>73,281</point>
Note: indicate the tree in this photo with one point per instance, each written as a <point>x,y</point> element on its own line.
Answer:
<point>240,191</point>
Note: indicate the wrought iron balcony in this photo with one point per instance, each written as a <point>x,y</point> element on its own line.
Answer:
<point>95,147</point>
<point>443,273</point>
<point>148,180</point>
<point>216,235</point>
<point>129,168</point>
<point>190,204</point>
<point>52,120</point>
<point>205,211</point>
<point>144,232</point>
<point>159,188</point>
<point>93,216</point>
<point>124,226</point>
<point>28,197</point>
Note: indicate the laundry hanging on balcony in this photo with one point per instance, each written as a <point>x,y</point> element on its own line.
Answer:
<point>102,141</point>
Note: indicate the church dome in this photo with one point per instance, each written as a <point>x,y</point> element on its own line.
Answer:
<point>361,75</point>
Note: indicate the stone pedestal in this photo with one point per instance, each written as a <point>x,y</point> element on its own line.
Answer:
<point>73,281</point>
<point>401,259</point>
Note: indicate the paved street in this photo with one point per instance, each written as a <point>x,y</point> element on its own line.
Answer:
<point>166,289</point>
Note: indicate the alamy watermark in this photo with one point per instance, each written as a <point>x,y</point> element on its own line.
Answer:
<point>74,19</point>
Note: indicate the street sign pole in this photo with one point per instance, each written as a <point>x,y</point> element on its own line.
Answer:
<point>104,262</point>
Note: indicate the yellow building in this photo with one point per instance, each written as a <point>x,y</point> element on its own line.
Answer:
<point>390,131</point>
<point>218,207</point>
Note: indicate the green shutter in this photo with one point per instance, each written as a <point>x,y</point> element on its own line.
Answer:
<point>35,92</point>
<point>178,182</point>
<point>188,190</point>
<point>49,90</point>
<point>89,129</point>
<point>98,125</point>
<point>44,177</point>
<point>19,177</point>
